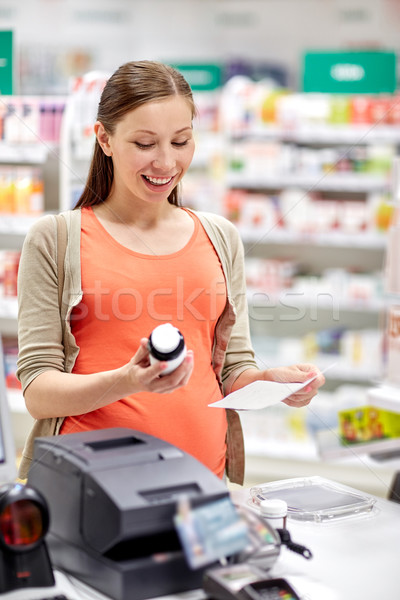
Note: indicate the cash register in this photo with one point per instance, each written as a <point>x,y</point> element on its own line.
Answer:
<point>112,496</point>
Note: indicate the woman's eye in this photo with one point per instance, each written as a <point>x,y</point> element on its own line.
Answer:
<point>180,144</point>
<point>143,146</point>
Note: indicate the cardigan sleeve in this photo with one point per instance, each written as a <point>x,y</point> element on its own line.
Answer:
<point>239,352</point>
<point>40,338</point>
<point>232,352</point>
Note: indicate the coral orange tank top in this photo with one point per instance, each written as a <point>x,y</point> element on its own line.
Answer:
<point>125,295</point>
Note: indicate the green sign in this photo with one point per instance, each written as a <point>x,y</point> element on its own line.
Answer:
<point>6,63</point>
<point>364,72</point>
<point>201,77</point>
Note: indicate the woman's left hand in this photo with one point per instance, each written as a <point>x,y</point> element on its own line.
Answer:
<point>298,374</point>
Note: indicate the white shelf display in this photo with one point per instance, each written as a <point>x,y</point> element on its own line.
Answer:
<point>29,134</point>
<point>308,184</point>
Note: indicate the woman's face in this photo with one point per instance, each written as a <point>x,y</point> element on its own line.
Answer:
<point>151,148</point>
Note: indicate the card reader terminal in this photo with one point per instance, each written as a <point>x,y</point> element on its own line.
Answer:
<point>245,582</point>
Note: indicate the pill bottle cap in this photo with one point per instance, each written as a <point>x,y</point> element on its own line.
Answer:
<point>166,342</point>
<point>273,508</point>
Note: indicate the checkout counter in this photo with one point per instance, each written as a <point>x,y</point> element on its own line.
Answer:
<point>81,475</point>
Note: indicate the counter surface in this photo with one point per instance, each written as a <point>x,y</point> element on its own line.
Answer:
<point>353,559</point>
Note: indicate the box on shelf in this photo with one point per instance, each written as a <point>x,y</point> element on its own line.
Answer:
<point>367,423</point>
<point>375,418</point>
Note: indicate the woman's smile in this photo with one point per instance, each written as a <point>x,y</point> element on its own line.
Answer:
<point>158,182</point>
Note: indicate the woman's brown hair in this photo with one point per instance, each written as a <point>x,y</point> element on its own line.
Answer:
<point>133,84</point>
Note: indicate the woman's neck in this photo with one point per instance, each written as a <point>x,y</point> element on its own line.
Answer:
<point>145,216</point>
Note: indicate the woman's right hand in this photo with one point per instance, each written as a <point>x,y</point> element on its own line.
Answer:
<point>145,377</point>
<point>59,394</point>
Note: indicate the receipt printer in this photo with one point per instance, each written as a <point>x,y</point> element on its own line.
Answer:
<point>112,496</point>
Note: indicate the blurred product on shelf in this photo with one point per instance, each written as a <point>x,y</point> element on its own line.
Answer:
<point>10,354</point>
<point>277,432</point>
<point>21,190</point>
<point>81,111</point>
<point>294,210</point>
<point>393,343</point>
<point>30,120</point>
<point>9,262</point>
<point>207,107</point>
<point>354,354</point>
<point>266,159</point>
<point>269,276</point>
<point>248,105</point>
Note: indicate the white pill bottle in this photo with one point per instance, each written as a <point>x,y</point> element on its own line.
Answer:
<point>275,512</point>
<point>166,343</point>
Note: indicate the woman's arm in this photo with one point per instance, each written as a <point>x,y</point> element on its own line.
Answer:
<point>57,394</point>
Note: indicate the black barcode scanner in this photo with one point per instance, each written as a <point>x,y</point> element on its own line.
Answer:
<point>24,521</point>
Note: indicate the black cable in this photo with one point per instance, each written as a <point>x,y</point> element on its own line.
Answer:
<point>286,540</point>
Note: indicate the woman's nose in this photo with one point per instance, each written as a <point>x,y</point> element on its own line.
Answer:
<point>164,159</point>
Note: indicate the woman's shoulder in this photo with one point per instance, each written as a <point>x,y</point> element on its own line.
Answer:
<point>43,230</point>
<point>217,221</point>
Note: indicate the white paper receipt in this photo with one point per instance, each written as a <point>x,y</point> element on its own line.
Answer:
<point>261,394</point>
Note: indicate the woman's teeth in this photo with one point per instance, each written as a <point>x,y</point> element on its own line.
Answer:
<point>157,180</point>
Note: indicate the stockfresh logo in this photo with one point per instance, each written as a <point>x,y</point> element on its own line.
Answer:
<point>347,72</point>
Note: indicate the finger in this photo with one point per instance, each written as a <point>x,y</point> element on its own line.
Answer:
<point>297,401</point>
<point>189,364</point>
<point>312,371</point>
<point>293,374</point>
<point>142,352</point>
<point>178,378</point>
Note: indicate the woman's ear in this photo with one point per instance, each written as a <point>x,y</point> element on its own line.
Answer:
<point>103,138</point>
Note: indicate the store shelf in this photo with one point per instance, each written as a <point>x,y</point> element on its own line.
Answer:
<point>346,182</point>
<point>312,201</point>
<point>337,369</point>
<point>331,447</point>
<point>8,316</point>
<point>334,239</point>
<point>16,224</point>
<point>324,300</point>
<point>286,449</point>
<point>21,420</point>
<point>8,308</point>
<point>30,154</point>
<point>16,401</point>
<point>326,134</point>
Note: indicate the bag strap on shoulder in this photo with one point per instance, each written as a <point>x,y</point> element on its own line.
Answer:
<point>61,249</point>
